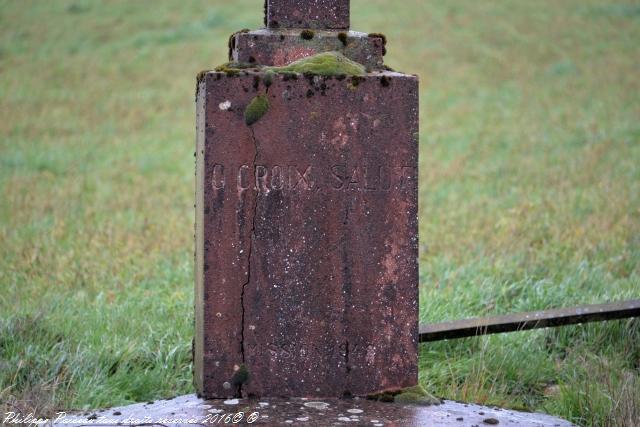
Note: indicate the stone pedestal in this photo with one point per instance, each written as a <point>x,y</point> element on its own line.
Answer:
<point>189,410</point>
<point>306,234</point>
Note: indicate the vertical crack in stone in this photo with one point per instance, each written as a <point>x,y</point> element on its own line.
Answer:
<point>249,256</point>
<point>346,357</point>
<point>254,209</point>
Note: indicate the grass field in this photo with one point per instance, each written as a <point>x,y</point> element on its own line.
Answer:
<point>530,194</point>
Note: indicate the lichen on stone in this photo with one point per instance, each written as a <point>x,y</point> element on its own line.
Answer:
<point>378,36</point>
<point>256,109</point>
<point>199,78</point>
<point>384,41</point>
<point>323,64</point>
<point>232,40</point>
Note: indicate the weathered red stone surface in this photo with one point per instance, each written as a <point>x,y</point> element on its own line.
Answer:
<point>306,233</point>
<point>281,47</point>
<point>321,14</point>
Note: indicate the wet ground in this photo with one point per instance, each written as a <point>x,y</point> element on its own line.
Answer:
<point>189,410</point>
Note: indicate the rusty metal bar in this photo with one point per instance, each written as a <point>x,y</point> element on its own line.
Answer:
<point>531,320</point>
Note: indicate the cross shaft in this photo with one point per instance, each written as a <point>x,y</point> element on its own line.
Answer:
<point>316,14</point>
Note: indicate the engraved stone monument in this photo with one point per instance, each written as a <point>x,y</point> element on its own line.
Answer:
<point>306,212</point>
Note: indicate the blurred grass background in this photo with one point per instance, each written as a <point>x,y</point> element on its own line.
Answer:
<point>530,194</point>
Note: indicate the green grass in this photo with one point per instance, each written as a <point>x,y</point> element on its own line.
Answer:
<point>530,193</point>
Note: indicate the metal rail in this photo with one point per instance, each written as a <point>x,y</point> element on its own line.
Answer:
<point>526,321</point>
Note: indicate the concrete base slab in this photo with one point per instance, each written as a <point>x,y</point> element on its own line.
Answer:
<point>190,410</point>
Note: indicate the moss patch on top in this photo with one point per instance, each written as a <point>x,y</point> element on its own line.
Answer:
<point>324,64</point>
<point>234,66</point>
<point>257,108</point>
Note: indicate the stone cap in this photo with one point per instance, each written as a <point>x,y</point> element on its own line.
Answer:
<point>296,29</point>
<point>316,14</point>
<point>281,47</point>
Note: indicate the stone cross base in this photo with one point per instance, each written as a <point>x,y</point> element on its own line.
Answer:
<point>189,410</point>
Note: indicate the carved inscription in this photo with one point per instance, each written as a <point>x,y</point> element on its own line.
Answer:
<point>339,177</point>
<point>291,350</point>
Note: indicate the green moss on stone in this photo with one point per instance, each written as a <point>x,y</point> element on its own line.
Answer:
<point>201,75</point>
<point>382,397</point>
<point>234,67</point>
<point>241,376</point>
<point>343,38</point>
<point>418,389</point>
<point>416,395</point>
<point>256,109</point>
<point>324,64</point>
<point>268,78</point>
<point>407,398</point>
<point>354,82</point>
